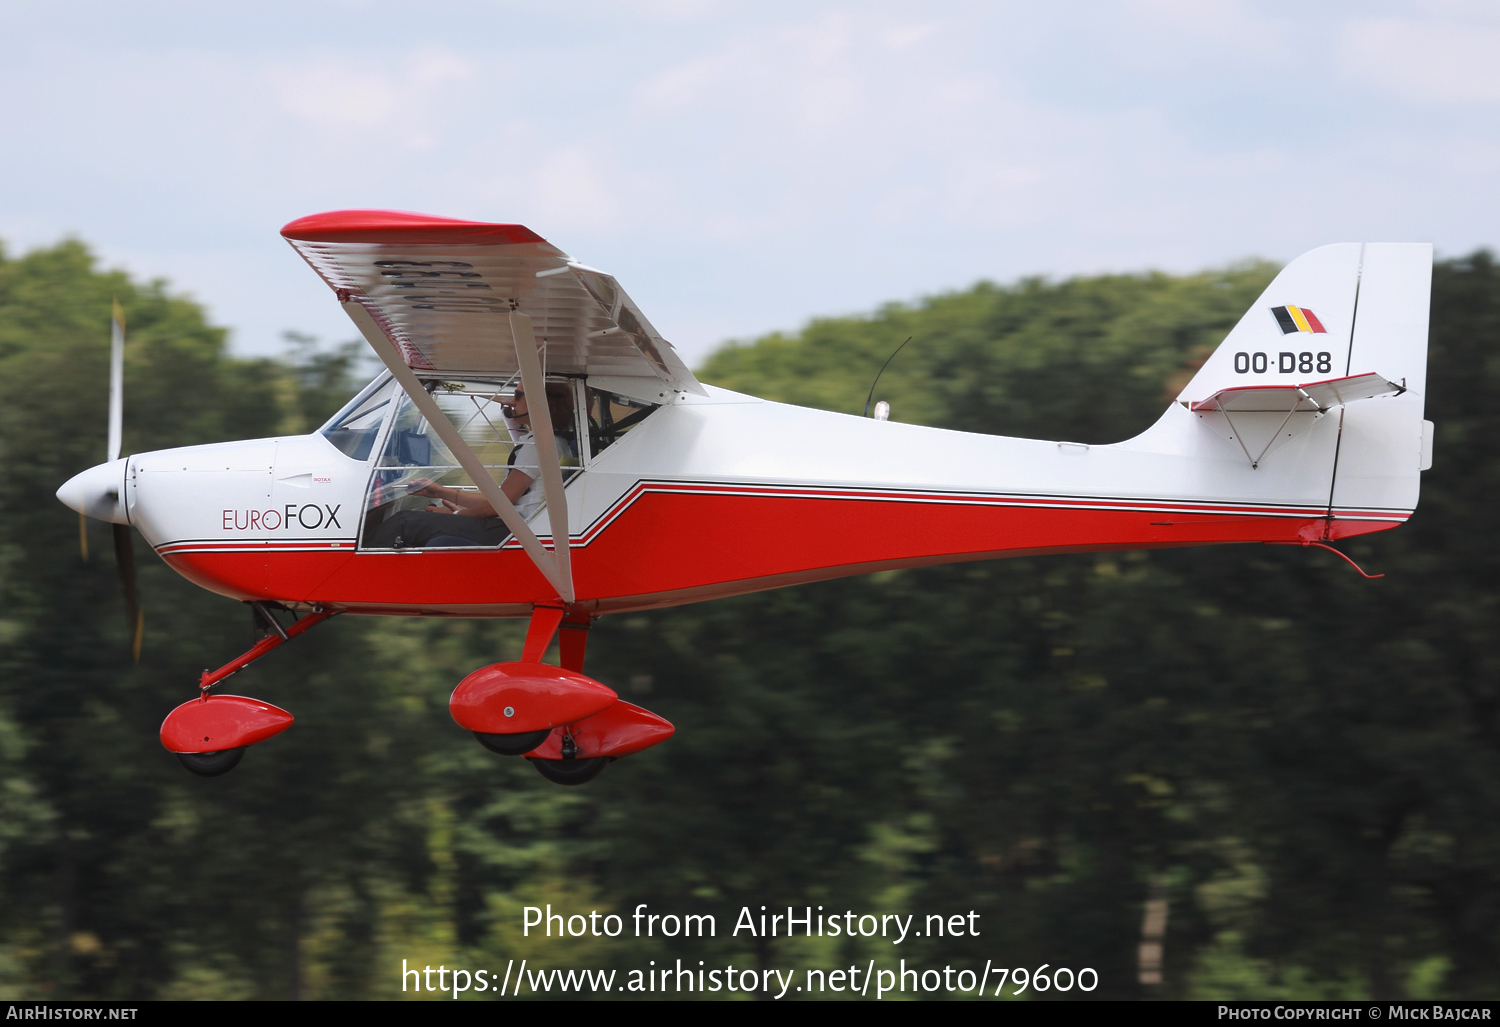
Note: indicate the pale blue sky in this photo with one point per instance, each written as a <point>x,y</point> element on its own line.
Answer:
<point>742,166</point>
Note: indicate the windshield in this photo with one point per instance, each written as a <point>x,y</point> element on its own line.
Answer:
<point>353,429</point>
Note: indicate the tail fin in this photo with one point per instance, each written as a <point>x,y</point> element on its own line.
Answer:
<point>1348,310</point>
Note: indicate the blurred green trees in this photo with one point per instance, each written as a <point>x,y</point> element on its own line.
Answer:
<point>1303,764</point>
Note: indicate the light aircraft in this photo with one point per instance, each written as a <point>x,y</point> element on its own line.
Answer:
<point>651,489</point>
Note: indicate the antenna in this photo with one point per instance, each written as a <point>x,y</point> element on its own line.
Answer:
<point>881,372</point>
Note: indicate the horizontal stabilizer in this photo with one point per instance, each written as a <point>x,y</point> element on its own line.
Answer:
<point>1314,397</point>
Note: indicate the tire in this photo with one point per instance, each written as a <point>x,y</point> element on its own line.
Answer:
<point>570,772</point>
<point>513,745</point>
<point>212,764</point>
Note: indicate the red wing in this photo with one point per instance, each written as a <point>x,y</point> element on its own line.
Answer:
<point>442,289</point>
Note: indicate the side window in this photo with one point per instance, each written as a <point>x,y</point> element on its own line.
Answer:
<point>610,416</point>
<point>353,430</point>
<point>415,456</point>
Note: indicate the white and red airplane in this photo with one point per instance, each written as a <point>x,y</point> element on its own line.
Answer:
<point>1305,426</point>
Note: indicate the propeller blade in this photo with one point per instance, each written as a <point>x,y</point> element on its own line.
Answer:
<point>83,537</point>
<point>116,382</point>
<point>124,547</point>
<point>125,559</point>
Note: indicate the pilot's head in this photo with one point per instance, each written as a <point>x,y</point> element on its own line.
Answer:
<point>559,403</point>
<point>516,410</point>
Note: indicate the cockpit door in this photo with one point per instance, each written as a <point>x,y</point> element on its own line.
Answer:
<point>413,456</point>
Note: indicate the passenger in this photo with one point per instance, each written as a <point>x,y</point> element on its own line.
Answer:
<point>460,517</point>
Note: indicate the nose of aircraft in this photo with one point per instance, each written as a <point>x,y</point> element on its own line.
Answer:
<point>98,492</point>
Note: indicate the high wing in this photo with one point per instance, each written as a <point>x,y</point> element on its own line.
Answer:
<point>442,291</point>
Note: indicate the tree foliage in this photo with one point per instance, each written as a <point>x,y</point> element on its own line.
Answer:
<point>1301,762</point>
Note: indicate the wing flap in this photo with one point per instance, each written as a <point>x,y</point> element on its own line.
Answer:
<point>442,290</point>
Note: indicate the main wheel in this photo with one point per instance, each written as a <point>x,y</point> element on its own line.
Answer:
<point>212,764</point>
<point>513,745</point>
<point>570,772</point>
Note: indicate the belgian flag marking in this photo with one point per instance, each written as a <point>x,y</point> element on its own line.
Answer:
<point>1298,319</point>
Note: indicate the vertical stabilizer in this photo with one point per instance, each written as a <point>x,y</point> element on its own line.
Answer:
<point>1348,311</point>
<point>1297,332</point>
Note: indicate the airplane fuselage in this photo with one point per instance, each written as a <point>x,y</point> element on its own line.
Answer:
<point>719,495</point>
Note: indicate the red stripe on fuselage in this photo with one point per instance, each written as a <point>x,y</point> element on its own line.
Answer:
<point>682,540</point>
<point>1180,507</point>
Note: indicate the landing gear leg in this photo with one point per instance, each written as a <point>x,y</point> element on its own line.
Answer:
<point>573,640</point>
<point>277,636</point>
<point>209,735</point>
<point>571,627</point>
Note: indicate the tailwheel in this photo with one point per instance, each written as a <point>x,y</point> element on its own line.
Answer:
<point>570,772</point>
<point>513,744</point>
<point>212,764</point>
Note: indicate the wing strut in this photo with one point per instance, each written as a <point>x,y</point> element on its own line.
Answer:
<point>439,422</point>
<point>532,377</point>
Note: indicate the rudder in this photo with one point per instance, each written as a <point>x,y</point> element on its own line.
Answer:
<point>1383,443</point>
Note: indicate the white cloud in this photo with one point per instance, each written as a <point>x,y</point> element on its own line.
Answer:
<point>573,187</point>
<point>1209,20</point>
<point>1424,62</point>
<point>901,36</point>
<point>797,75</point>
<point>681,10</point>
<point>333,92</point>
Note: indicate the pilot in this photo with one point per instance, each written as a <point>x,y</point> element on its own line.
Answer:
<point>461,517</point>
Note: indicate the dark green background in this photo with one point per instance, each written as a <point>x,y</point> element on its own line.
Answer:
<point>1304,763</point>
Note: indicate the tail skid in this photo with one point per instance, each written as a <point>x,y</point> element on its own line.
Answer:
<point>1340,554</point>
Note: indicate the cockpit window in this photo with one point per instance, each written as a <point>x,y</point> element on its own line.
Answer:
<point>610,416</point>
<point>353,430</point>
<point>417,470</point>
